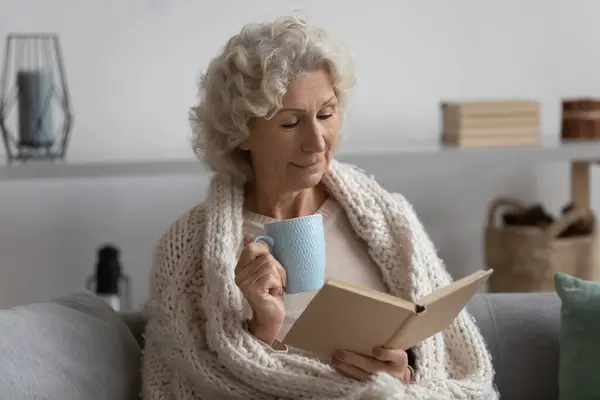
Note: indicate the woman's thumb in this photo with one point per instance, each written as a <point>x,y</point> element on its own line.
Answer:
<point>248,238</point>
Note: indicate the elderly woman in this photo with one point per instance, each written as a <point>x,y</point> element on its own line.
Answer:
<point>268,122</point>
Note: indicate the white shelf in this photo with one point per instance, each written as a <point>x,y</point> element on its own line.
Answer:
<point>367,159</point>
<point>71,170</point>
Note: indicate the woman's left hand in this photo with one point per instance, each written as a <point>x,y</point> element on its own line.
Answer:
<point>393,362</point>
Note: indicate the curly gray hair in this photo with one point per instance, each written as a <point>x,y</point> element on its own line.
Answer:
<point>249,79</point>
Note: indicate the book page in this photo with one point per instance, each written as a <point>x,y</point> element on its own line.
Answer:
<point>338,318</point>
<point>375,294</point>
<point>476,279</point>
<point>441,308</point>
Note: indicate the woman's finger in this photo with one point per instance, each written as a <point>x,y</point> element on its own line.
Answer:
<point>265,259</point>
<point>367,364</point>
<point>272,283</point>
<point>253,271</point>
<point>395,357</point>
<point>250,253</point>
<point>248,238</point>
<point>282,274</point>
<point>351,371</point>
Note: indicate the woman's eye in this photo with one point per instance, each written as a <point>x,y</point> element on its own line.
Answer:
<point>290,125</point>
<point>325,116</point>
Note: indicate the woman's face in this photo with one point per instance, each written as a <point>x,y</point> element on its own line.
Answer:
<point>292,150</point>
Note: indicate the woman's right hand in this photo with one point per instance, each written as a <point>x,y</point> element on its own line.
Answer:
<point>261,279</point>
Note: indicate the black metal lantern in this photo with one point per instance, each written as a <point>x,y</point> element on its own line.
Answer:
<point>34,98</point>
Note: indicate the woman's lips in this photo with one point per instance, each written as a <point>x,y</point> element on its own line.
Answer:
<point>309,165</point>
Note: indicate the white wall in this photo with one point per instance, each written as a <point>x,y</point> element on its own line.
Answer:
<point>132,68</point>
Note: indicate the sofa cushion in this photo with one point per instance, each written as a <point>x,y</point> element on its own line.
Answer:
<point>579,361</point>
<point>75,347</point>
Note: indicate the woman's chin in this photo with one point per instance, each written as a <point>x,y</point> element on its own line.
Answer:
<point>306,181</point>
<point>304,178</point>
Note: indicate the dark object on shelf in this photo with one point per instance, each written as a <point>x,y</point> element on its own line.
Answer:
<point>532,216</point>
<point>536,216</point>
<point>33,85</point>
<point>110,282</point>
<point>580,119</point>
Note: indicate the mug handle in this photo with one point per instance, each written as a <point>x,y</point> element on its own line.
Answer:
<point>268,240</point>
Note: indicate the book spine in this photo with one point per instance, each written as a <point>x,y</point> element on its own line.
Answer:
<point>396,341</point>
<point>491,141</point>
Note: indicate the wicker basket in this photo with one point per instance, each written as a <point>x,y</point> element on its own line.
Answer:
<point>526,258</point>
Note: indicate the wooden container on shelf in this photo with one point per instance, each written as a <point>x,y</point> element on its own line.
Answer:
<point>526,258</point>
<point>490,123</point>
<point>580,119</point>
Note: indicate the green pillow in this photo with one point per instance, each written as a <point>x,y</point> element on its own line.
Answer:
<point>579,357</point>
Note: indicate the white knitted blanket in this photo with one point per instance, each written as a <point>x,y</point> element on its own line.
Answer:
<point>196,344</point>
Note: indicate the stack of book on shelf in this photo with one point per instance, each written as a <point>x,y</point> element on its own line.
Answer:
<point>491,123</point>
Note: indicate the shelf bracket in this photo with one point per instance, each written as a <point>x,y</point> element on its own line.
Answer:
<point>580,184</point>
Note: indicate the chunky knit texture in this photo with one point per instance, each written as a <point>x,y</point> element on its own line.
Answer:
<point>196,344</point>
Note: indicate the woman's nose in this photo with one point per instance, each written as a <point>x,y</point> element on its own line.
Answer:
<point>314,139</point>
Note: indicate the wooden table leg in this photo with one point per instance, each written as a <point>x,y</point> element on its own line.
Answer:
<point>580,184</point>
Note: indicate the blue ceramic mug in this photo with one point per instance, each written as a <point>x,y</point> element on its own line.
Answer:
<point>299,246</point>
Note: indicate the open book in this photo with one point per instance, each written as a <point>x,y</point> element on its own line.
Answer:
<point>344,316</point>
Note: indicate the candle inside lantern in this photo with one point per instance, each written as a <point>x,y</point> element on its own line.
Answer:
<point>35,112</point>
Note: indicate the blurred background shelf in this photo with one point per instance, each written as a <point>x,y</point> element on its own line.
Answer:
<point>585,151</point>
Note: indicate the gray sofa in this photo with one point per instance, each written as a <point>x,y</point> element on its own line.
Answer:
<point>76,347</point>
<point>521,331</point>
